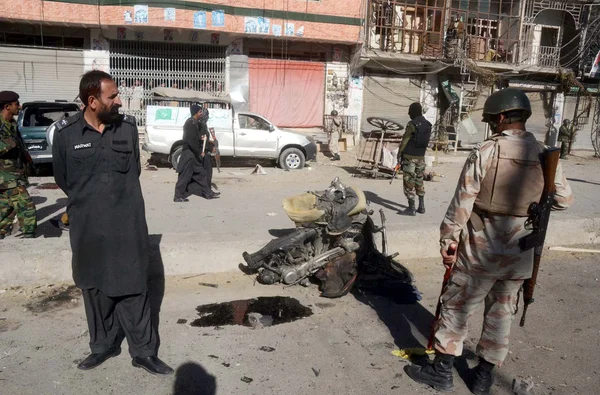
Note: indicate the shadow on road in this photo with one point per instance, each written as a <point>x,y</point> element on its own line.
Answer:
<point>156,283</point>
<point>583,181</point>
<point>192,379</point>
<point>389,204</point>
<point>402,320</point>
<point>49,229</point>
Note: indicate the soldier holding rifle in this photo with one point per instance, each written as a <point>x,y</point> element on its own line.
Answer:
<point>486,224</point>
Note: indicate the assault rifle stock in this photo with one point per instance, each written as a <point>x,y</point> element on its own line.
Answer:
<point>539,216</point>
<point>217,151</point>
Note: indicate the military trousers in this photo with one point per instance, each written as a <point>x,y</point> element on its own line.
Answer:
<point>333,143</point>
<point>16,201</point>
<point>564,148</point>
<point>111,319</point>
<point>412,175</point>
<point>461,297</point>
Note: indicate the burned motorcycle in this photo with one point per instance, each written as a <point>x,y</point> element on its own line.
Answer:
<point>333,240</point>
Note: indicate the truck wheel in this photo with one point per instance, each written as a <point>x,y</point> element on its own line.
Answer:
<point>291,159</point>
<point>175,157</point>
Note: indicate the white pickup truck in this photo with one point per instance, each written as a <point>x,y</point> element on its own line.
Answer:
<point>240,134</point>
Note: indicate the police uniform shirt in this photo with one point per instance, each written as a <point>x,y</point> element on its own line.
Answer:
<point>99,172</point>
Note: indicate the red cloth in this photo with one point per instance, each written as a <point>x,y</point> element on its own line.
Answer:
<point>288,93</point>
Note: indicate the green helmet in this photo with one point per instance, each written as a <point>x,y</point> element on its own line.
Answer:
<point>505,100</point>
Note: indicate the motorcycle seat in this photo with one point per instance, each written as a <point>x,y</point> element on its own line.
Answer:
<point>362,201</point>
<point>303,208</point>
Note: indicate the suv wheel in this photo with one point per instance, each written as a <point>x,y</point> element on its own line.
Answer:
<point>175,157</point>
<point>291,159</point>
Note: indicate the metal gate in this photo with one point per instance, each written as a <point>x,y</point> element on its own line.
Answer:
<point>139,66</point>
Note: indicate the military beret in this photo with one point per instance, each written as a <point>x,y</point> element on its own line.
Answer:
<point>8,96</point>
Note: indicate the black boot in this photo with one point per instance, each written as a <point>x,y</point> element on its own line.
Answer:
<point>336,157</point>
<point>411,208</point>
<point>483,378</point>
<point>152,365</point>
<point>97,359</point>
<point>437,374</point>
<point>421,209</point>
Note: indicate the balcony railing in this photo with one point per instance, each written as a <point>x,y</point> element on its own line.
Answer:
<point>542,56</point>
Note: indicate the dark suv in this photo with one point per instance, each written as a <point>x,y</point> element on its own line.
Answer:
<point>34,120</point>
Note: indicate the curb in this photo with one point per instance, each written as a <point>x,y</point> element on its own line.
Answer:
<point>49,260</point>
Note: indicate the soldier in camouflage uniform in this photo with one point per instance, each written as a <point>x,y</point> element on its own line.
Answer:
<point>412,157</point>
<point>485,221</point>
<point>14,198</point>
<point>564,136</point>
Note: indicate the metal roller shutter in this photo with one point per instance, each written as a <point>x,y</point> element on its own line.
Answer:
<point>40,73</point>
<point>388,97</point>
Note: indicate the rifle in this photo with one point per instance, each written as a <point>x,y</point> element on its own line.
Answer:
<point>539,216</point>
<point>217,151</point>
<point>395,172</point>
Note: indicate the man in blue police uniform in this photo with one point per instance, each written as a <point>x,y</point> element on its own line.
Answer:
<point>97,164</point>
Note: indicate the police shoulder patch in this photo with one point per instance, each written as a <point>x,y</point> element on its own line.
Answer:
<point>129,119</point>
<point>63,123</point>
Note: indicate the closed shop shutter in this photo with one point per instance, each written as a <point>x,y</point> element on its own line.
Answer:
<point>288,93</point>
<point>40,73</point>
<point>388,97</point>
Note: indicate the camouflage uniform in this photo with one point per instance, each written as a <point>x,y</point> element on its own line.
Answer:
<point>14,199</point>
<point>413,167</point>
<point>564,136</point>
<point>412,176</point>
<point>490,265</point>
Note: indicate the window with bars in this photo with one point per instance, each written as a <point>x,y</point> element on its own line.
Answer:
<point>139,66</point>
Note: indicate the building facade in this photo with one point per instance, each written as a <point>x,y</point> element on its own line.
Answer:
<point>450,55</point>
<point>263,53</point>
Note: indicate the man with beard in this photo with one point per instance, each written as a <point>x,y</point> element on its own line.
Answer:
<point>193,178</point>
<point>97,164</point>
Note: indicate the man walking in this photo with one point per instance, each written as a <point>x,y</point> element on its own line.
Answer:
<point>412,157</point>
<point>564,136</point>
<point>333,135</point>
<point>485,221</point>
<point>14,198</point>
<point>192,177</point>
<point>96,159</point>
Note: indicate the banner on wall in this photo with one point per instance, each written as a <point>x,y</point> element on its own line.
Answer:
<point>277,30</point>
<point>200,20</point>
<point>96,60</point>
<point>289,29</point>
<point>236,47</point>
<point>218,18</point>
<point>170,14</point>
<point>257,25</point>
<point>140,13</point>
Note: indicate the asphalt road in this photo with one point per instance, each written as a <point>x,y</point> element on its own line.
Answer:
<point>344,347</point>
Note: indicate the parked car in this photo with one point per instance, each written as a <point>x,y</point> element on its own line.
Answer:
<point>35,119</point>
<point>240,134</point>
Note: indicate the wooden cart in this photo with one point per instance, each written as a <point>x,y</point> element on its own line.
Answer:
<point>387,137</point>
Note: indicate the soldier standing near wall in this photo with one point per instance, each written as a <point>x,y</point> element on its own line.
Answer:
<point>14,198</point>
<point>485,220</point>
